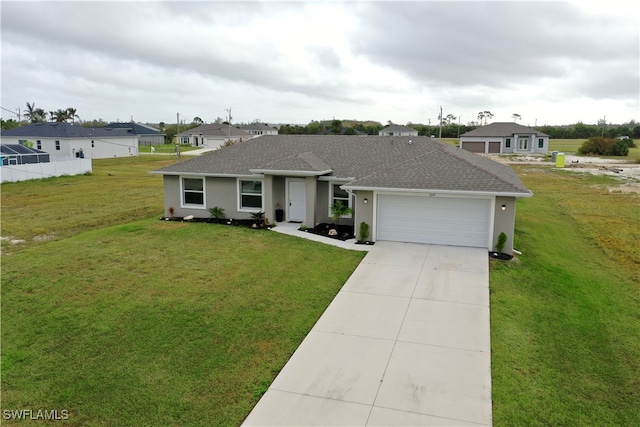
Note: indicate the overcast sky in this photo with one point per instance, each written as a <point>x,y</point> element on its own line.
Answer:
<point>293,62</point>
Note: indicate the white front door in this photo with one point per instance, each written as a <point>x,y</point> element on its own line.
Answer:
<point>523,143</point>
<point>297,194</point>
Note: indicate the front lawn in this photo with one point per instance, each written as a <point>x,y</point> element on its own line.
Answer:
<point>158,322</point>
<point>565,333</point>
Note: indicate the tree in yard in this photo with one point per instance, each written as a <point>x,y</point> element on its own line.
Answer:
<point>450,118</point>
<point>197,120</point>
<point>483,116</point>
<point>34,114</point>
<point>60,115</point>
<point>72,114</point>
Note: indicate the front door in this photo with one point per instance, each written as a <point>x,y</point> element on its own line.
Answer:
<point>297,194</point>
<point>523,144</point>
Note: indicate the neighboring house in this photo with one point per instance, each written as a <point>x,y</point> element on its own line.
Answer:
<point>504,137</point>
<point>212,135</point>
<point>259,129</point>
<point>21,163</point>
<point>398,130</point>
<point>408,189</point>
<point>147,135</point>
<point>64,140</point>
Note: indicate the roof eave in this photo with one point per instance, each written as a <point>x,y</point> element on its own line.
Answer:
<point>281,172</point>
<point>438,191</point>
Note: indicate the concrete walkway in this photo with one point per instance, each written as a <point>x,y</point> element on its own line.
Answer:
<point>292,229</point>
<point>405,342</point>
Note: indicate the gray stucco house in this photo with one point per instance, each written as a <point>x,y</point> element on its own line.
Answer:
<point>504,137</point>
<point>147,135</point>
<point>397,130</point>
<point>409,189</point>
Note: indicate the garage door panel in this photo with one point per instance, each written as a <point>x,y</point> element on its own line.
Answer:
<point>436,220</point>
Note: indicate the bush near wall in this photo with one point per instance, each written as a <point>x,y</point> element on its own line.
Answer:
<point>606,147</point>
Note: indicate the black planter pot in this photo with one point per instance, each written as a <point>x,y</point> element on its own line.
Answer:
<point>279,215</point>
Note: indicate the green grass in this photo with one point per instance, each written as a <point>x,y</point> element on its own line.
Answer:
<point>166,148</point>
<point>118,191</point>
<point>160,323</point>
<point>572,145</point>
<point>127,320</point>
<point>565,318</point>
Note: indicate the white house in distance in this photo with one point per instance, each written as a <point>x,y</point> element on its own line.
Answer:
<point>212,135</point>
<point>259,129</point>
<point>504,137</point>
<point>398,130</point>
<point>65,141</point>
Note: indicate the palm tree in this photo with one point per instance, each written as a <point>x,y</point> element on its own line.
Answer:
<point>60,115</point>
<point>35,114</point>
<point>71,114</point>
<point>197,120</point>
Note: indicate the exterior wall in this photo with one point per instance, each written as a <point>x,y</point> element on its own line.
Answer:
<point>312,184</point>
<point>322,203</point>
<point>533,143</point>
<point>23,172</point>
<point>103,147</point>
<point>504,221</point>
<point>398,133</point>
<point>151,140</point>
<point>278,195</point>
<point>363,212</point>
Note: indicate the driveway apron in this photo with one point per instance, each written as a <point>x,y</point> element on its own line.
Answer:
<point>405,342</point>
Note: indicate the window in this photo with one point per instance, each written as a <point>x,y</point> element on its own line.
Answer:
<point>337,194</point>
<point>507,143</point>
<point>39,145</point>
<point>523,143</point>
<point>92,144</point>
<point>250,195</point>
<point>193,191</point>
<point>185,139</point>
<point>540,143</point>
<point>58,145</point>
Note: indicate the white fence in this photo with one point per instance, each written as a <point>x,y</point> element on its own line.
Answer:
<point>15,173</point>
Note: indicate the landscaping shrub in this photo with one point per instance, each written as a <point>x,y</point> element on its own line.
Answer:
<point>605,147</point>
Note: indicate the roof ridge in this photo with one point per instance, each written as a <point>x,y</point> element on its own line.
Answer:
<point>395,165</point>
<point>484,169</point>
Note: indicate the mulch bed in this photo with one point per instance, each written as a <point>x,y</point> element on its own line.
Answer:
<point>501,256</point>
<point>344,232</point>
<point>224,221</point>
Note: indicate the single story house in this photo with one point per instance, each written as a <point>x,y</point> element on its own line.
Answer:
<point>65,140</point>
<point>504,137</point>
<point>259,129</point>
<point>212,135</point>
<point>408,189</point>
<point>147,135</point>
<point>397,130</point>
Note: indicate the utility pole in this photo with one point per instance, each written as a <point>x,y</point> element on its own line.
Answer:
<point>440,118</point>
<point>178,128</point>
<point>604,123</point>
<point>228,110</point>
<point>459,127</point>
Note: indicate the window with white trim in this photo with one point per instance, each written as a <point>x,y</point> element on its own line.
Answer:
<point>39,145</point>
<point>540,143</point>
<point>93,144</point>
<point>337,194</point>
<point>507,142</point>
<point>250,195</point>
<point>193,192</point>
<point>57,145</point>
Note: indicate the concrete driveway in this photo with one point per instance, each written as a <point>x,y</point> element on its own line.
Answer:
<point>405,342</point>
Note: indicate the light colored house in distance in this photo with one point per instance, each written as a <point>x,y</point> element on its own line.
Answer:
<point>407,189</point>
<point>212,135</point>
<point>148,135</point>
<point>504,137</point>
<point>397,130</point>
<point>65,140</point>
<point>259,129</point>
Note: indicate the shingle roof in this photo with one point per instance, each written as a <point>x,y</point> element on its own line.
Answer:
<point>257,126</point>
<point>502,129</point>
<point>215,130</point>
<point>135,128</point>
<point>62,130</point>
<point>374,161</point>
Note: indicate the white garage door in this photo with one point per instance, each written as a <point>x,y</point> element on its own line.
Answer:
<point>435,220</point>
